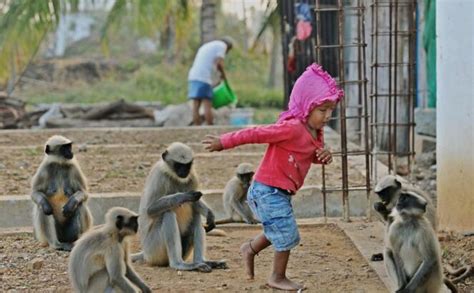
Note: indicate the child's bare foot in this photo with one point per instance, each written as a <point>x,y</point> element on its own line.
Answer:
<point>248,257</point>
<point>283,283</point>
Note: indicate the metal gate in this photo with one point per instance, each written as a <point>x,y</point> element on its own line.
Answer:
<point>338,43</point>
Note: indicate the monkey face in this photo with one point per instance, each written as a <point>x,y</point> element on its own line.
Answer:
<point>387,194</point>
<point>127,226</point>
<point>66,151</point>
<point>63,151</point>
<point>246,178</point>
<point>411,204</point>
<point>182,170</point>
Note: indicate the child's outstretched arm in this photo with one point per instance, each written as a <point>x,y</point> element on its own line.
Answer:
<point>261,134</point>
<point>212,143</point>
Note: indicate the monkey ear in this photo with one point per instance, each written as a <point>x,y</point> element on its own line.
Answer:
<point>398,183</point>
<point>119,222</point>
<point>47,150</point>
<point>165,153</point>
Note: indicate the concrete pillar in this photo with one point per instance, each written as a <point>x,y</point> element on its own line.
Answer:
<point>455,114</point>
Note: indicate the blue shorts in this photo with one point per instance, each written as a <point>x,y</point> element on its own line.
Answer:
<point>273,208</point>
<point>199,90</point>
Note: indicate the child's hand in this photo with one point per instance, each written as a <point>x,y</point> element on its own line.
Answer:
<point>324,155</point>
<point>212,143</point>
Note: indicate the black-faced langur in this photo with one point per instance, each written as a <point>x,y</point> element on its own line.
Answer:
<point>99,262</point>
<point>235,196</point>
<point>412,253</point>
<point>170,214</point>
<point>59,191</point>
<point>389,189</point>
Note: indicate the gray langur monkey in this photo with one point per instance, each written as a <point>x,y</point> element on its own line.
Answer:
<point>412,253</point>
<point>59,191</point>
<point>100,262</point>
<point>389,189</point>
<point>170,214</point>
<point>235,196</point>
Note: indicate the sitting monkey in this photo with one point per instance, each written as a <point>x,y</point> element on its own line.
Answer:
<point>235,196</point>
<point>59,191</point>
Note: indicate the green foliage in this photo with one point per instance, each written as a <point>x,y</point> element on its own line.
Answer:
<point>165,83</point>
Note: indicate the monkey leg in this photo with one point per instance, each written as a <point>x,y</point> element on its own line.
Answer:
<point>171,238</point>
<point>226,221</point>
<point>99,282</point>
<point>71,229</point>
<point>45,230</point>
<point>200,245</point>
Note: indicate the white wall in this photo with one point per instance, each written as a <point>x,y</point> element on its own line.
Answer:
<point>455,114</point>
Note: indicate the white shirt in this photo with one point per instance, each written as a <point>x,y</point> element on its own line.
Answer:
<point>204,65</point>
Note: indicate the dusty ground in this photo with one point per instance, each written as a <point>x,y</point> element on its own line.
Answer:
<point>124,168</point>
<point>326,261</point>
<point>458,250</point>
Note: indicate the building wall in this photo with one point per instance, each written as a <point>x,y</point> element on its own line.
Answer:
<point>455,114</point>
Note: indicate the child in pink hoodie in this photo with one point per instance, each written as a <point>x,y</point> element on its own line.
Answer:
<point>294,143</point>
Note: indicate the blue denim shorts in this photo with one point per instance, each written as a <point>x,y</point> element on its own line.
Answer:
<point>273,208</point>
<point>199,89</point>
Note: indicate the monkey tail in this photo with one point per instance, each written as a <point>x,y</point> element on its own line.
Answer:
<point>225,221</point>
<point>138,257</point>
<point>450,285</point>
<point>217,233</point>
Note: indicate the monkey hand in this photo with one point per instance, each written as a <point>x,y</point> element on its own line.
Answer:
<point>380,207</point>
<point>210,223</point>
<point>46,207</point>
<point>403,290</point>
<point>146,289</point>
<point>251,221</point>
<point>70,207</point>
<point>194,195</point>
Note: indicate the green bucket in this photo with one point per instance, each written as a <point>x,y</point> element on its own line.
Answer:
<point>223,95</point>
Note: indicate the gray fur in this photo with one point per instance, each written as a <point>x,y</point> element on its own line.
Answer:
<point>234,197</point>
<point>397,185</point>
<point>59,191</point>
<point>170,216</point>
<point>412,254</point>
<point>99,262</point>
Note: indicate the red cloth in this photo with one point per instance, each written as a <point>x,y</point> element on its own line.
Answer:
<point>289,155</point>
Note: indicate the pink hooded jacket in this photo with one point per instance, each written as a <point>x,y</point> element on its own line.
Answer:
<point>291,147</point>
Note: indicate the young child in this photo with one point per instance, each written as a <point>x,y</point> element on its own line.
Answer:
<point>295,141</point>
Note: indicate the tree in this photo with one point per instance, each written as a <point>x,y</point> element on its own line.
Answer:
<point>25,23</point>
<point>208,20</point>
<point>271,21</point>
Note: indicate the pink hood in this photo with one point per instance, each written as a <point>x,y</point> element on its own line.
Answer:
<point>314,87</point>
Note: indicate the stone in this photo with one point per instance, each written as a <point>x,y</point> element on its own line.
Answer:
<point>36,263</point>
<point>425,121</point>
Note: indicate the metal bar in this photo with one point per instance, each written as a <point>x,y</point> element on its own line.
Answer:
<point>394,140</point>
<point>318,57</point>
<point>344,8</point>
<point>339,46</point>
<point>386,95</point>
<point>390,87</point>
<point>353,188</point>
<point>394,124</point>
<point>390,34</point>
<point>412,86</point>
<point>342,103</point>
<point>389,64</point>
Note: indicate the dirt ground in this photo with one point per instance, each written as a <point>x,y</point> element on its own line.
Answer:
<point>325,260</point>
<point>124,168</point>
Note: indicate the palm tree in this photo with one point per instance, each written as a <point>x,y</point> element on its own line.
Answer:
<point>271,21</point>
<point>208,20</point>
<point>25,23</point>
